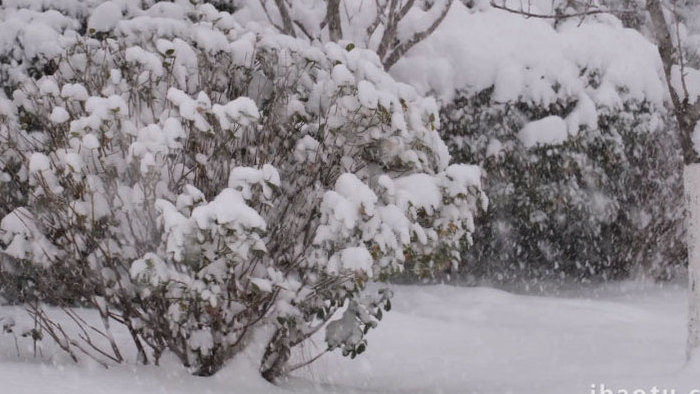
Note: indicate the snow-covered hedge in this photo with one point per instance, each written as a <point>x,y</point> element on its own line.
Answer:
<point>200,181</point>
<point>581,159</point>
<point>605,203</point>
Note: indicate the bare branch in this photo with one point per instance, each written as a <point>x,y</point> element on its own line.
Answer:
<point>303,30</point>
<point>381,10</point>
<point>407,7</point>
<point>85,336</point>
<point>404,47</point>
<point>558,16</point>
<point>305,363</point>
<point>54,330</point>
<point>287,23</point>
<point>286,18</point>
<point>269,18</point>
<point>389,30</point>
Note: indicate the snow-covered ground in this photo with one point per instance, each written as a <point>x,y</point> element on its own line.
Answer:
<point>444,339</point>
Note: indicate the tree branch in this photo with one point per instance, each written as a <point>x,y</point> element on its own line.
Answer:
<point>558,16</point>
<point>377,21</point>
<point>269,18</point>
<point>305,363</point>
<point>303,30</point>
<point>287,24</point>
<point>404,47</point>
<point>389,30</point>
<point>407,7</point>
<point>335,30</point>
<point>686,115</point>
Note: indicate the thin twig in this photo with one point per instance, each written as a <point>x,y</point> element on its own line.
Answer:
<point>305,363</point>
<point>528,14</point>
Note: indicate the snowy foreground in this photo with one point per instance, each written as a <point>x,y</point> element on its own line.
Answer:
<point>444,339</point>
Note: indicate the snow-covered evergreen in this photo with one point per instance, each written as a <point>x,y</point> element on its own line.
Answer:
<point>581,157</point>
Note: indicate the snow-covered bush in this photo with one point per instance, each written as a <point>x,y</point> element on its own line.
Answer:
<point>604,203</point>
<point>200,181</point>
<point>567,118</point>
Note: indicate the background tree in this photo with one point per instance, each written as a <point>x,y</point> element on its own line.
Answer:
<point>686,108</point>
<point>390,27</point>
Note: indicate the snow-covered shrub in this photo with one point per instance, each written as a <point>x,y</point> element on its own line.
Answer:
<point>567,118</point>
<point>197,181</point>
<point>603,203</point>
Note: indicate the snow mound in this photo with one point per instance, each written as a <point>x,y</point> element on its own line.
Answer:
<point>105,17</point>
<point>546,131</point>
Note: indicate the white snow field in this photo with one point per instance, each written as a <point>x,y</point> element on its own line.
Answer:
<point>440,339</point>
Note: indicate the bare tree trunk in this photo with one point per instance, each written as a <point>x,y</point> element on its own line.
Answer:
<point>691,183</point>
<point>687,115</point>
<point>275,358</point>
<point>335,30</point>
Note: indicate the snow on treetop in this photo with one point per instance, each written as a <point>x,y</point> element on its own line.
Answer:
<point>528,59</point>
